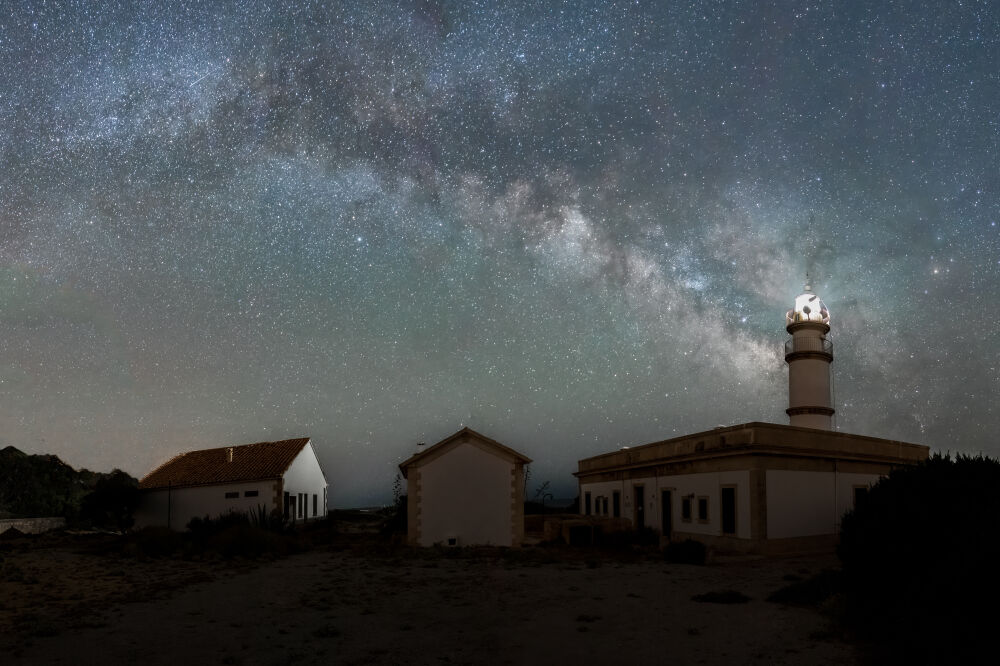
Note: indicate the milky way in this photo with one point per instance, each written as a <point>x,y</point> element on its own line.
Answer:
<point>569,226</point>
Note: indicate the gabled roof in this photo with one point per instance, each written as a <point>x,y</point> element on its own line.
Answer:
<point>228,464</point>
<point>452,441</point>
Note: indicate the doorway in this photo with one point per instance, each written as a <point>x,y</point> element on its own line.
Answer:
<point>728,510</point>
<point>666,517</point>
<point>640,507</point>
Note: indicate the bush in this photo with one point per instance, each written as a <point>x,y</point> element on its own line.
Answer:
<point>240,534</point>
<point>244,540</point>
<point>918,557</point>
<point>688,551</point>
<point>395,517</point>
<point>157,541</point>
<point>112,502</point>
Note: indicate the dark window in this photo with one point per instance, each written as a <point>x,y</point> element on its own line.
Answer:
<point>287,504</point>
<point>233,495</point>
<point>616,503</point>
<point>702,509</point>
<point>249,493</point>
<point>586,504</point>
<point>686,509</point>
<point>605,506</point>
<point>728,510</point>
<point>315,506</point>
<point>302,506</point>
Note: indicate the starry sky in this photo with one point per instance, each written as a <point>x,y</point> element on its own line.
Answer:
<point>571,226</point>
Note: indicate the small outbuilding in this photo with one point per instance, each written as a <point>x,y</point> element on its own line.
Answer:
<point>465,490</point>
<point>283,475</point>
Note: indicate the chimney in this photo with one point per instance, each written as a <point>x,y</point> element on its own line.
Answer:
<point>229,454</point>
<point>421,447</point>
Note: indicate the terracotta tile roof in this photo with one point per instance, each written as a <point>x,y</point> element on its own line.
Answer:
<point>250,462</point>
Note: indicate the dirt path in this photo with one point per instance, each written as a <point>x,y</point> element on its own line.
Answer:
<point>328,607</point>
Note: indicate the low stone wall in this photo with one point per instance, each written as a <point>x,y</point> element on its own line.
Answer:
<point>32,525</point>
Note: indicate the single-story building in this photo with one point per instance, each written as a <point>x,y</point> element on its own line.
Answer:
<point>755,487</point>
<point>466,489</point>
<point>283,475</point>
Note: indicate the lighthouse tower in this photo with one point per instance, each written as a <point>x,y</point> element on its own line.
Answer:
<point>809,355</point>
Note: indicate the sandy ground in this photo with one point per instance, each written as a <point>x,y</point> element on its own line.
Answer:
<point>346,604</point>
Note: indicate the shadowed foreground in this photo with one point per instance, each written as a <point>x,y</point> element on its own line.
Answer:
<point>355,604</point>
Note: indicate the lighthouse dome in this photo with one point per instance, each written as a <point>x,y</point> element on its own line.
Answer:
<point>808,307</point>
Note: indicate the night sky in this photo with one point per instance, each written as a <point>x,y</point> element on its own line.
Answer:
<point>570,226</point>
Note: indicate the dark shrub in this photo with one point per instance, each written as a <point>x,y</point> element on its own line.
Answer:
<point>395,516</point>
<point>688,551</point>
<point>158,541</point>
<point>238,534</point>
<point>112,501</point>
<point>244,540</point>
<point>919,557</point>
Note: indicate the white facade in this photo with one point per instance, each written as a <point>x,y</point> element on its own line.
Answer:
<point>304,480</point>
<point>465,490</point>
<point>803,504</point>
<point>691,488</point>
<point>175,507</point>
<point>754,487</point>
<point>465,495</point>
<point>300,492</point>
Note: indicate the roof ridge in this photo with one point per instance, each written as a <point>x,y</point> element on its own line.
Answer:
<point>255,462</point>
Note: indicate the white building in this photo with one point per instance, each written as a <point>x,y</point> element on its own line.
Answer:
<point>759,487</point>
<point>467,489</point>
<point>283,475</point>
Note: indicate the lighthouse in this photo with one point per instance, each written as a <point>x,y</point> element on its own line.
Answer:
<point>809,354</point>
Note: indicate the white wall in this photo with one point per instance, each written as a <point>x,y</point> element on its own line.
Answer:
<point>466,493</point>
<point>200,501</point>
<point>809,503</point>
<point>706,484</point>
<point>305,475</point>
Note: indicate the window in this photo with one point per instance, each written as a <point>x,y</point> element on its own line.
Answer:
<point>686,509</point>
<point>702,509</point>
<point>605,506</point>
<point>302,506</point>
<point>616,503</point>
<point>249,493</point>
<point>586,504</point>
<point>315,506</point>
<point>233,495</point>
<point>287,504</point>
